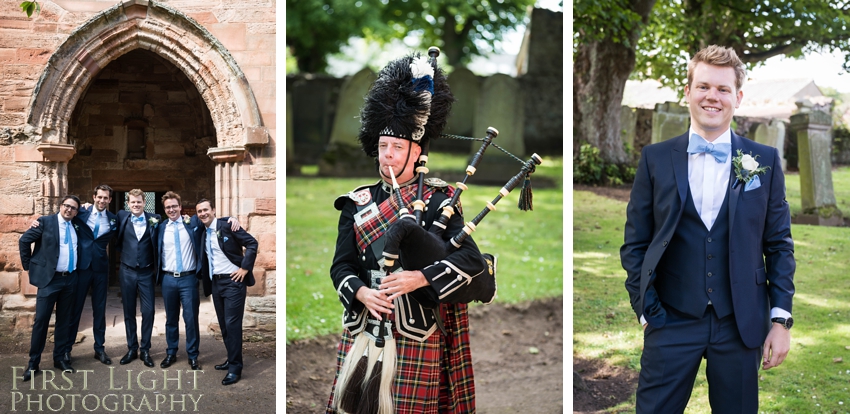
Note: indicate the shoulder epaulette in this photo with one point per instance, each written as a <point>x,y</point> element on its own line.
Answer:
<point>360,195</point>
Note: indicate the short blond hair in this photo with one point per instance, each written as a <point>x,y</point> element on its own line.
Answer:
<point>171,194</point>
<point>135,193</point>
<point>719,56</point>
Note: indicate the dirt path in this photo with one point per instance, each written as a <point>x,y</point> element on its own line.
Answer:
<point>510,376</point>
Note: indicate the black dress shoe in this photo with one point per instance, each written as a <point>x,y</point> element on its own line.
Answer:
<point>145,356</point>
<point>169,359</point>
<point>103,358</point>
<point>223,366</point>
<point>131,355</point>
<point>32,369</point>
<point>194,364</point>
<point>68,357</point>
<point>230,379</point>
<point>64,365</point>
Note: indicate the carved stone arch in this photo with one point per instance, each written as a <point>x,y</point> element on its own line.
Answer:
<point>140,24</point>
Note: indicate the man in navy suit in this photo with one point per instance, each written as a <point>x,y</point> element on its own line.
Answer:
<point>95,227</point>
<point>137,242</point>
<point>226,272</point>
<point>52,267</point>
<point>179,245</point>
<point>708,252</point>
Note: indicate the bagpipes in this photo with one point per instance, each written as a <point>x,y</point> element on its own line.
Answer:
<point>364,384</point>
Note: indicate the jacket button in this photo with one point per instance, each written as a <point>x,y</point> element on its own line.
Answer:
<point>710,290</point>
<point>664,243</point>
<point>709,257</point>
<point>364,257</point>
<point>709,239</point>
<point>709,274</point>
<point>459,278</point>
<point>411,321</point>
<point>649,272</point>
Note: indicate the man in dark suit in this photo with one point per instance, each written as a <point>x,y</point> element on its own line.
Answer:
<point>52,268</point>
<point>95,227</point>
<point>708,252</point>
<point>226,272</point>
<point>137,241</point>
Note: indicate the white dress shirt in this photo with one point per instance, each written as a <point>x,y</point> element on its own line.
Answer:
<point>220,263</point>
<point>104,221</point>
<point>64,249</point>
<point>138,227</point>
<point>169,253</point>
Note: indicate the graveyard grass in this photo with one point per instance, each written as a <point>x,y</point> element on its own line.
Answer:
<point>812,378</point>
<point>529,245</point>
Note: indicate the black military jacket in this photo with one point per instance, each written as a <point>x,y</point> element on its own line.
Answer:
<point>414,314</point>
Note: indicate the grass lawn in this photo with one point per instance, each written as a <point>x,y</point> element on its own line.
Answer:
<point>529,245</point>
<point>816,376</point>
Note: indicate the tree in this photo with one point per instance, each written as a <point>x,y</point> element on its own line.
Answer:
<point>461,28</point>
<point>318,28</point>
<point>756,30</point>
<point>608,42</point>
<point>605,37</point>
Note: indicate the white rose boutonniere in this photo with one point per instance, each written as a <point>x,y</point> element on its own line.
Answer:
<point>746,167</point>
<point>187,220</point>
<point>153,222</point>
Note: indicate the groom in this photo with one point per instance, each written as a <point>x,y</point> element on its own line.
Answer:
<point>708,252</point>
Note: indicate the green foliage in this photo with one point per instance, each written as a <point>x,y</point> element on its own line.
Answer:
<point>529,246</point>
<point>462,29</point>
<point>29,7</point>
<point>595,21</point>
<point>808,381</point>
<point>590,168</point>
<point>756,29</point>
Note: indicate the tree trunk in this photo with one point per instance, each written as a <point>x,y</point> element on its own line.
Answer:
<point>600,71</point>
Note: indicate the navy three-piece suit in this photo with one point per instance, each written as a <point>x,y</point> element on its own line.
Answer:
<point>744,265</point>
<point>139,266</point>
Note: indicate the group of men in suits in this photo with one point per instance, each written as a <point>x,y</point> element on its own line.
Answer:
<point>70,257</point>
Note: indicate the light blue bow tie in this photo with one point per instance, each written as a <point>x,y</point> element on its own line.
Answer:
<point>697,145</point>
<point>140,219</point>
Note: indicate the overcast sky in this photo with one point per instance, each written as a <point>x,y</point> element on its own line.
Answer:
<point>825,69</point>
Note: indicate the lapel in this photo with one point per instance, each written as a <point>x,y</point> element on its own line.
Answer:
<point>735,191</point>
<point>53,225</point>
<point>680,166</point>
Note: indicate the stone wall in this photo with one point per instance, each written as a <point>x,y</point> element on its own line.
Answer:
<point>174,95</point>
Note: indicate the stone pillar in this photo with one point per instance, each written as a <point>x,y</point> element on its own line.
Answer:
<point>227,176</point>
<point>773,134</point>
<point>814,137</point>
<point>669,121</point>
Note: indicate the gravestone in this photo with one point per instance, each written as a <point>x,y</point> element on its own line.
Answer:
<point>313,104</point>
<point>344,156</point>
<point>466,88</point>
<point>498,107</point>
<point>773,134</point>
<point>628,124</point>
<point>814,136</point>
<point>669,121</point>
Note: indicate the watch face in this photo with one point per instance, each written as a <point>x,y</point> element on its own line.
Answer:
<point>789,323</point>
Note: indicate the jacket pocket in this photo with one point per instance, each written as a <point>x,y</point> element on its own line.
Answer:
<point>761,276</point>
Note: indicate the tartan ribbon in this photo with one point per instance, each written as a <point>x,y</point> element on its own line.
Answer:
<point>373,229</point>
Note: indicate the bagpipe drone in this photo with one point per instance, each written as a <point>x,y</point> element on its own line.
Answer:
<point>364,384</point>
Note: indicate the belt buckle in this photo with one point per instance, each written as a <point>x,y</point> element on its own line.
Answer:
<point>176,274</point>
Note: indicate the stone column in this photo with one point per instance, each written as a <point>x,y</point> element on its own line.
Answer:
<point>227,175</point>
<point>814,135</point>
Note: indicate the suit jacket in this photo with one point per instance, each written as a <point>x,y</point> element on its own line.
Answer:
<point>761,261</point>
<point>194,228</point>
<point>124,217</point>
<point>93,251</point>
<point>41,261</point>
<point>231,243</point>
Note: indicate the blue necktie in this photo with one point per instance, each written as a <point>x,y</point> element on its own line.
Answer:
<point>697,145</point>
<point>177,247</point>
<point>70,246</point>
<point>210,252</point>
<point>96,223</point>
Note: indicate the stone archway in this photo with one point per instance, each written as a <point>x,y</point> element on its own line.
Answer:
<point>139,24</point>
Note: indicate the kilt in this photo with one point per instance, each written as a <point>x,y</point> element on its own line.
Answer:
<point>434,376</point>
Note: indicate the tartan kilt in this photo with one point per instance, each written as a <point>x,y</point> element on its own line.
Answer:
<point>434,376</point>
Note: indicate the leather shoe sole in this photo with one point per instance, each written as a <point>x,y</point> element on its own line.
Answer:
<point>146,358</point>
<point>230,379</point>
<point>130,357</point>
<point>169,359</point>
<point>224,366</point>
<point>103,358</point>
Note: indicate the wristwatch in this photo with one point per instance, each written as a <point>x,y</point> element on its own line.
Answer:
<point>786,323</point>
